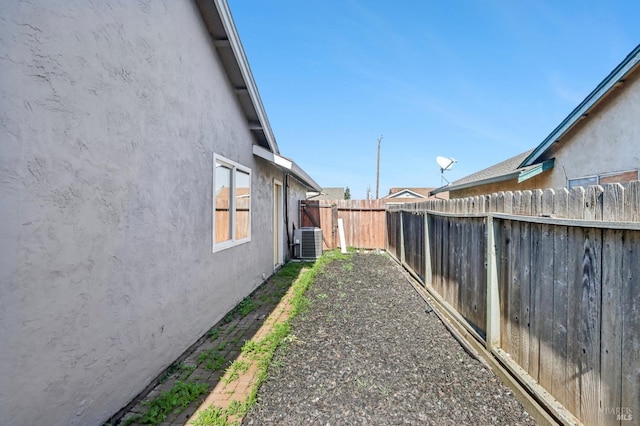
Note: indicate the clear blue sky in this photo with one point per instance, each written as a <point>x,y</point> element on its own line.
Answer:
<point>479,81</point>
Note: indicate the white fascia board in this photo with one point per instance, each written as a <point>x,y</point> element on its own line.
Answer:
<point>276,159</point>
<point>288,165</point>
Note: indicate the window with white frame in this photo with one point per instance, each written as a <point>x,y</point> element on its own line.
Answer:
<point>613,177</point>
<point>231,203</point>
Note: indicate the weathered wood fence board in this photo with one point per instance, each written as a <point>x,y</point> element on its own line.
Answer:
<point>364,221</point>
<point>568,284</point>
<point>611,202</point>
<point>413,236</point>
<point>393,225</point>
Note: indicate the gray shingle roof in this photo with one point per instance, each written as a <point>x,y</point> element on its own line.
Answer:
<point>504,168</point>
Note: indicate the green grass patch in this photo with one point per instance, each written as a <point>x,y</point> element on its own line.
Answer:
<point>211,359</point>
<point>246,306</point>
<point>348,266</point>
<point>214,333</point>
<point>181,367</point>
<point>234,370</point>
<point>178,397</point>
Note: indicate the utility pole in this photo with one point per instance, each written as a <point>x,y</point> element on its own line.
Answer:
<point>378,168</point>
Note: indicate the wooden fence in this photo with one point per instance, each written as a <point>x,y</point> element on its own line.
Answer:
<point>363,221</point>
<point>548,280</point>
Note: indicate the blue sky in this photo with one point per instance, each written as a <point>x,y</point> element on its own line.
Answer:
<point>479,81</point>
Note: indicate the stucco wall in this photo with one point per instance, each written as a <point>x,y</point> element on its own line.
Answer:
<point>607,141</point>
<point>110,113</point>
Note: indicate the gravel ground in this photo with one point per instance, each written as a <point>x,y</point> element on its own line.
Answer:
<point>366,352</point>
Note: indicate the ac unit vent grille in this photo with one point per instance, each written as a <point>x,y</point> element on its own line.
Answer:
<point>308,243</point>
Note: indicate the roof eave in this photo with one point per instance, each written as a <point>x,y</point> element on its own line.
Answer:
<point>288,166</point>
<point>227,39</point>
<point>520,175</point>
<point>397,194</point>
<point>581,111</point>
<point>535,171</point>
<point>486,181</point>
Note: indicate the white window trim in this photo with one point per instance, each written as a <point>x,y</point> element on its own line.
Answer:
<point>232,201</point>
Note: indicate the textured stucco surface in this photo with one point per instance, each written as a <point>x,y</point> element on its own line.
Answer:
<point>110,113</point>
<point>607,141</point>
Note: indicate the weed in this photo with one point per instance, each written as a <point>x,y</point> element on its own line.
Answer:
<point>246,306</point>
<point>384,390</point>
<point>222,346</point>
<point>362,384</point>
<point>186,370</point>
<point>179,396</point>
<point>277,364</point>
<point>348,267</point>
<point>237,367</point>
<point>322,296</point>
<point>229,317</point>
<point>214,333</point>
<point>133,419</point>
<point>212,416</point>
<point>212,360</point>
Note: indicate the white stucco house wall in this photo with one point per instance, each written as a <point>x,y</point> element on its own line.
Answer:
<point>123,127</point>
<point>596,144</point>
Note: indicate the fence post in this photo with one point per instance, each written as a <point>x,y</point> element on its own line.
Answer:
<point>493,295</point>
<point>427,251</point>
<point>334,226</point>
<point>401,236</point>
<point>386,229</point>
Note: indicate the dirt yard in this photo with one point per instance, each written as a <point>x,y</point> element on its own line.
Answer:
<point>367,352</point>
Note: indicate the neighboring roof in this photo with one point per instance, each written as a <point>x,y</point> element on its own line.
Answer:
<point>413,192</point>
<point>219,22</point>
<point>507,170</point>
<point>327,194</point>
<point>529,164</point>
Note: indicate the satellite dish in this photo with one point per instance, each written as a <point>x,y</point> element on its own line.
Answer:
<point>445,163</point>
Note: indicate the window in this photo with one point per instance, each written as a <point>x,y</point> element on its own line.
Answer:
<point>232,203</point>
<point>616,177</point>
<point>585,181</point>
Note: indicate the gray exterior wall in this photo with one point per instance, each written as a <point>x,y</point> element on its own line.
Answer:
<point>110,113</point>
<point>607,141</point>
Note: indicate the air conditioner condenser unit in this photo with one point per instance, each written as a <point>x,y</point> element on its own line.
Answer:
<point>307,243</point>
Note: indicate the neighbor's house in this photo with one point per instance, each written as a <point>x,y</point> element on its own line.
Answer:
<point>326,194</point>
<point>598,143</point>
<point>411,195</point>
<point>143,196</point>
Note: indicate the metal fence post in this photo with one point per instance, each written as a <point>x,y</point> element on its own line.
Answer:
<point>493,295</point>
